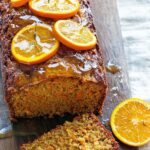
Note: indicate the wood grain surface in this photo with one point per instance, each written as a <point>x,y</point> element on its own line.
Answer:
<point>108,30</point>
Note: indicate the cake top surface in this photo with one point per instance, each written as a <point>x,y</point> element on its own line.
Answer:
<point>87,65</point>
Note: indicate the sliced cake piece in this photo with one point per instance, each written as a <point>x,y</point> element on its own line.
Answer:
<point>84,133</point>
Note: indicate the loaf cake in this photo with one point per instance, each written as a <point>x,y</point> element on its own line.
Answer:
<point>70,82</point>
<point>84,133</point>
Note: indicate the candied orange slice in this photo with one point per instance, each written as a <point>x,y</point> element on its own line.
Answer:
<point>34,44</point>
<point>57,9</point>
<point>74,35</point>
<point>18,3</point>
<point>130,122</point>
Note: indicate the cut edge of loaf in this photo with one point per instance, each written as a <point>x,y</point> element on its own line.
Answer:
<point>86,97</point>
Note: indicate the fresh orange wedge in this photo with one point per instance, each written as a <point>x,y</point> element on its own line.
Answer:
<point>57,9</point>
<point>130,122</point>
<point>34,44</point>
<point>18,3</point>
<point>74,35</point>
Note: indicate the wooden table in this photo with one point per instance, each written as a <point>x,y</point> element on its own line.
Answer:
<point>109,33</point>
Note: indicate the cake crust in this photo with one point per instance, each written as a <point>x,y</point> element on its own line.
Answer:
<point>84,66</point>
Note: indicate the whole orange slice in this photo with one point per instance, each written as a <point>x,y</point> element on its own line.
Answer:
<point>18,3</point>
<point>34,44</point>
<point>130,122</point>
<point>54,8</point>
<point>74,35</point>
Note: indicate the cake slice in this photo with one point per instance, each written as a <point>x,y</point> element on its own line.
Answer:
<point>84,133</point>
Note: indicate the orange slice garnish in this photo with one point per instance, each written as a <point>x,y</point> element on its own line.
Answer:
<point>18,3</point>
<point>130,122</point>
<point>74,35</point>
<point>34,44</point>
<point>57,9</point>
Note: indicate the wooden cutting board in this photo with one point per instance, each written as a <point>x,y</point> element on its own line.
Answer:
<point>109,33</point>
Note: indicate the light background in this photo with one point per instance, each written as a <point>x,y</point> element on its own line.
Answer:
<point>135,25</point>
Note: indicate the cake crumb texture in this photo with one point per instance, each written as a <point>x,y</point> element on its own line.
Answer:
<point>84,133</point>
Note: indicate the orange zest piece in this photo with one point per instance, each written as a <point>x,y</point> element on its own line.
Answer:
<point>34,44</point>
<point>18,3</point>
<point>130,122</point>
<point>74,35</point>
<point>57,9</point>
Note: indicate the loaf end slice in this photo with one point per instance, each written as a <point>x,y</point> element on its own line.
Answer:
<point>85,133</point>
